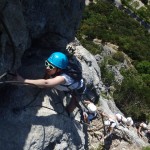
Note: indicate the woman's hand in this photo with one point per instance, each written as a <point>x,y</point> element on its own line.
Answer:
<point>102,113</point>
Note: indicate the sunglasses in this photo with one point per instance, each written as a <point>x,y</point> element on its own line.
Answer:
<point>49,65</point>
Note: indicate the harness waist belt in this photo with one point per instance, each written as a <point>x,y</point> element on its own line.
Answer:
<point>81,90</point>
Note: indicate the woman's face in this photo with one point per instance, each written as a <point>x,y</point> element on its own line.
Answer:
<point>51,71</point>
<point>50,68</point>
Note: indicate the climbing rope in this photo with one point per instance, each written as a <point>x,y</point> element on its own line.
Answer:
<point>17,83</point>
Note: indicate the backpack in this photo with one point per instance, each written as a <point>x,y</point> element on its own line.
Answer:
<point>73,70</point>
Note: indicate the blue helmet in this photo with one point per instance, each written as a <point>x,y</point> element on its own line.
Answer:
<point>59,60</point>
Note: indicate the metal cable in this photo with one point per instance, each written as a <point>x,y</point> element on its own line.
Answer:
<point>18,83</point>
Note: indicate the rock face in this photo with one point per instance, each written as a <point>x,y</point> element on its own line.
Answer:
<point>35,29</point>
<point>35,118</point>
<point>49,24</point>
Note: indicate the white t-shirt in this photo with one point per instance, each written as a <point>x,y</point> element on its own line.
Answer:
<point>69,84</point>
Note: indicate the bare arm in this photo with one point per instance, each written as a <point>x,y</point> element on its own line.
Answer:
<point>104,114</point>
<point>139,129</point>
<point>86,102</point>
<point>44,83</point>
<point>113,117</point>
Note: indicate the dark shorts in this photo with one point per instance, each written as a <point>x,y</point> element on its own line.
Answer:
<point>91,117</point>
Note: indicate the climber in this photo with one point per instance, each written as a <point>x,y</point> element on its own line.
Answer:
<point>129,122</point>
<point>121,119</point>
<point>90,113</point>
<point>57,78</point>
<point>142,127</point>
<point>111,123</point>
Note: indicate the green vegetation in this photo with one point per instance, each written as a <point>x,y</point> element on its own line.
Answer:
<point>106,75</point>
<point>146,148</point>
<point>143,12</point>
<point>119,56</point>
<point>144,2</point>
<point>143,67</point>
<point>112,62</point>
<point>93,48</point>
<point>133,95</point>
<point>104,21</point>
